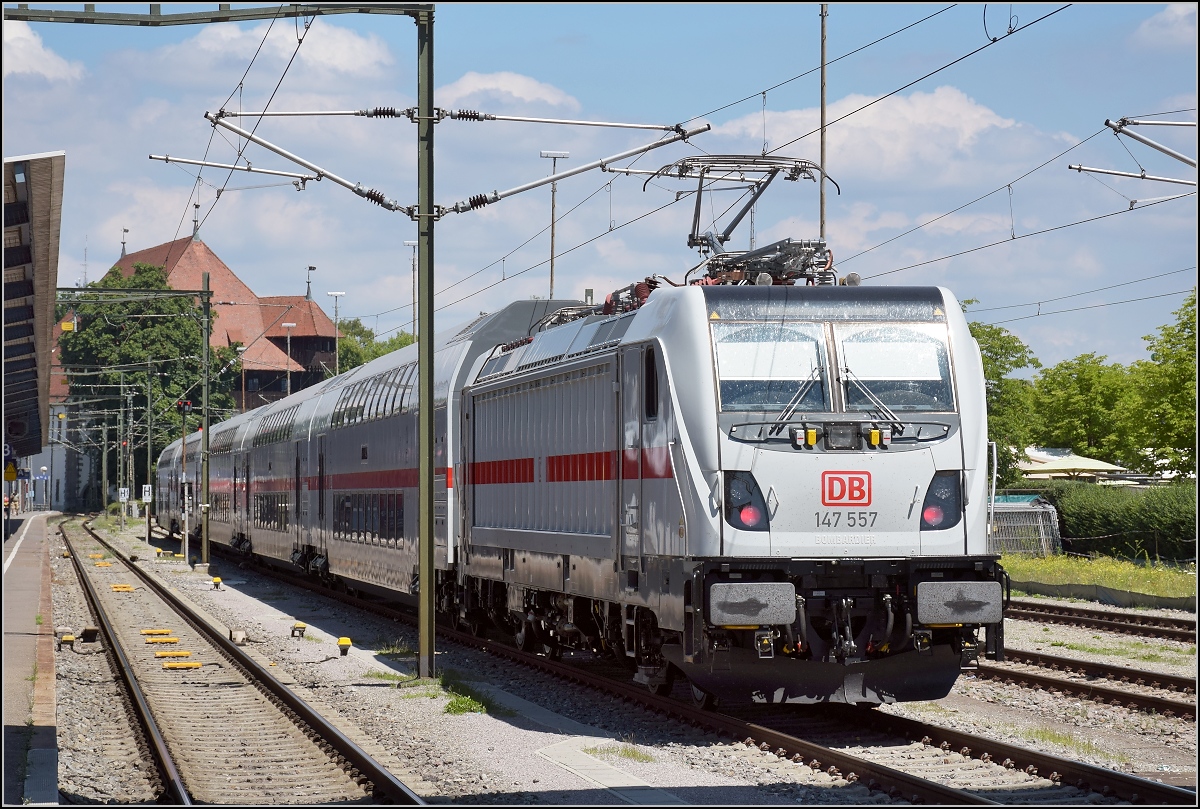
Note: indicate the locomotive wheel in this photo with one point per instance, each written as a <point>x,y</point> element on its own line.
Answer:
<point>524,637</point>
<point>552,650</point>
<point>702,699</point>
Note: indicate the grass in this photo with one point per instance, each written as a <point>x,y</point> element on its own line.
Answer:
<point>38,619</point>
<point>1082,746</point>
<point>33,677</point>
<point>393,648</point>
<point>465,699</point>
<point>1134,650</point>
<point>1151,579</point>
<point>388,676</point>
<point>625,749</point>
<point>311,638</point>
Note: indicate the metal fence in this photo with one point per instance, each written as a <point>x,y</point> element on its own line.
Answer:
<point>1025,528</point>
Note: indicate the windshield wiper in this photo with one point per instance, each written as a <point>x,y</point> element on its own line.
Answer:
<point>880,408</point>
<point>796,399</point>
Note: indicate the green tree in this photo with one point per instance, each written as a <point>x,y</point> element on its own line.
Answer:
<point>1166,393</point>
<point>358,344</point>
<point>124,341</point>
<point>1011,414</point>
<point>1080,402</point>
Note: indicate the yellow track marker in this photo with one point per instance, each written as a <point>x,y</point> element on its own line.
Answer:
<point>172,654</point>
<point>122,588</point>
<point>95,556</point>
<point>157,631</point>
<point>182,665</point>
<point>104,564</point>
<point>162,640</point>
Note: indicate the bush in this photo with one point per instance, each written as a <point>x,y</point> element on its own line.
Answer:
<point>1150,523</point>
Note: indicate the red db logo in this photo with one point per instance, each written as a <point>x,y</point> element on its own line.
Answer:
<point>845,488</point>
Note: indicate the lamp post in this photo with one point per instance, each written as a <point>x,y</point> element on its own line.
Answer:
<point>46,481</point>
<point>289,327</point>
<point>337,333</point>
<point>413,245</point>
<point>555,157</point>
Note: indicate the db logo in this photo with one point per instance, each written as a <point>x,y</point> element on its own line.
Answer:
<point>845,488</point>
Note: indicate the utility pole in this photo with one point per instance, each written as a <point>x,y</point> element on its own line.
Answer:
<point>121,445</point>
<point>289,327</point>
<point>554,157</point>
<point>337,342</point>
<point>104,465</point>
<point>184,499</point>
<point>425,220</point>
<point>149,443</point>
<point>824,17</point>
<point>207,305</point>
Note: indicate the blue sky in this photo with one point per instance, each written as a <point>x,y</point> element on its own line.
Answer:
<point>110,96</point>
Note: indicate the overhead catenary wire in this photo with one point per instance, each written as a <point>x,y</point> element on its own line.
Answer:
<point>1078,294</point>
<point>611,225</point>
<point>852,112</point>
<point>1009,240</point>
<point>211,135</point>
<point>1093,306</point>
<point>926,76</point>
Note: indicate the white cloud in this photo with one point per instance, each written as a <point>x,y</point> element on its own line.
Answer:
<point>25,53</point>
<point>504,86</point>
<point>925,133</point>
<point>327,48</point>
<point>1174,26</point>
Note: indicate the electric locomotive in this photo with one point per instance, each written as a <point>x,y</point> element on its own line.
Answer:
<point>770,483</point>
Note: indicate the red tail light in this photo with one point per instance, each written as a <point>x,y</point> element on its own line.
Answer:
<point>751,516</point>
<point>933,516</point>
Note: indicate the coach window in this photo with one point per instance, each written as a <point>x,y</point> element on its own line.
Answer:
<point>651,384</point>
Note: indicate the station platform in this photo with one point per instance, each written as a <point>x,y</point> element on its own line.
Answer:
<point>30,708</point>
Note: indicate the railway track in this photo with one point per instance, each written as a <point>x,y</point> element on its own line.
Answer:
<point>1149,626</point>
<point>223,729</point>
<point>909,760</point>
<point>1129,687</point>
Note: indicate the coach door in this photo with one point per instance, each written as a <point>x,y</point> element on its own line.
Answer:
<point>630,443</point>
<point>322,525</point>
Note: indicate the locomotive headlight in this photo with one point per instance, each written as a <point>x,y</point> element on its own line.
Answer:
<point>745,507</point>
<point>943,501</point>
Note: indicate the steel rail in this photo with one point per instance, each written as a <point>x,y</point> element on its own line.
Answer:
<point>1145,625</point>
<point>1086,690</point>
<point>1122,674</point>
<point>175,787</point>
<point>1076,773</point>
<point>384,783</point>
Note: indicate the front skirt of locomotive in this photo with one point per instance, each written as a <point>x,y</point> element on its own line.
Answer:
<point>739,675</point>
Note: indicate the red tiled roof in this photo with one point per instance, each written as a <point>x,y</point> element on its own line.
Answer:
<point>310,320</point>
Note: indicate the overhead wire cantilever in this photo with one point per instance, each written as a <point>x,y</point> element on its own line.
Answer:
<point>366,193</point>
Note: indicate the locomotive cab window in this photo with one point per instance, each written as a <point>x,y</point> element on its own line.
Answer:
<point>763,366</point>
<point>904,365</point>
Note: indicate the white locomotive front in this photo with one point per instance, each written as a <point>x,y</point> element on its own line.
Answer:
<point>779,491</point>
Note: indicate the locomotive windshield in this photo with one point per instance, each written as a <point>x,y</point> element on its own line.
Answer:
<point>905,366</point>
<point>761,366</point>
